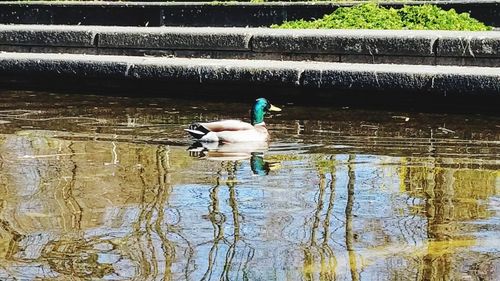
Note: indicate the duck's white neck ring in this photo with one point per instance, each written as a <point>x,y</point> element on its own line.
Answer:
<point>260,124</point>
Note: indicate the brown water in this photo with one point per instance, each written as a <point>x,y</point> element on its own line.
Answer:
<point>95,188</point>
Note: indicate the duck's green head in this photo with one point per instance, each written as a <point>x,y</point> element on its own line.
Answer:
<point>260,108</point>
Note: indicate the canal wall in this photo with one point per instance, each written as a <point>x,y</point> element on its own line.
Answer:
<point>314,75</point>
<point>222,14</point>
<point>352,46</point>
<point>441,69</point>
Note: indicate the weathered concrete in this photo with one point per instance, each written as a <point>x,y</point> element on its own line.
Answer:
<point>469,44</point>
<point>408,59</point>
<point>34,35</point>
<point>62,65</point>
<point>49,49</point>
<point>339,41</point>
<point>451,80</point>
<point>203,13</point>
<point>470,61</point>
<point>213,71</point>
<point>443,79</point>
<point>358,46</point>
<point>175,38</point>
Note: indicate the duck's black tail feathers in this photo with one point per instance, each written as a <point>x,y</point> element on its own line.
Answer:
<point>197,130</point>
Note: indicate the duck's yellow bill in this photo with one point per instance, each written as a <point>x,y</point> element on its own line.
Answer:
<point>274,108</point>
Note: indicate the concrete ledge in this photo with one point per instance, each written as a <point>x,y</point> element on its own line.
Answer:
<point>53,65</point>
<point>469,44</point>
<point>451,80</point>
<point>339,41</point>
<point>358,46</point>
<point>405,77</point>
<point>424,43</point>
<point>35,35</point>
<point>175,38</point>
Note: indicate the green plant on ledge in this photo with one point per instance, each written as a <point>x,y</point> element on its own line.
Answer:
<point>372,16</point>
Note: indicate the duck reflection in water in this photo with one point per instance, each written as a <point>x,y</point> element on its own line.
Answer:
<point>236,152</point>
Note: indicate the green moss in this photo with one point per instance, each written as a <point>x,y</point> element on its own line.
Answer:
<point>372,16</point>
<point>434,18</point>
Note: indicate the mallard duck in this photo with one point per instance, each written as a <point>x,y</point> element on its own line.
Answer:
<point>231,131</point>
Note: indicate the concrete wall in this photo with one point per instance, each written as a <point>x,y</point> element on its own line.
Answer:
<point>395,87</point>
<point>201,14</point>
<point>359,46</point>
<point>320,75</point>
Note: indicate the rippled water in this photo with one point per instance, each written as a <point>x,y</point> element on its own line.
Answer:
<point>105,189</point>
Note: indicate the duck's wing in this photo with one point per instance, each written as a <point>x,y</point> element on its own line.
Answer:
<point>209,131</point>
<point>227,125</point>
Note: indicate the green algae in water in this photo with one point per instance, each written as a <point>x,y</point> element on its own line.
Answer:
<point>372,16</point>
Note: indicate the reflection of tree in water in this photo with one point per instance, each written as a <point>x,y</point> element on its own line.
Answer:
<point>146,249</point>
<point>76,258</point>
<point>148,243</point>
<point>72,254</point>
<point>444,194</point>
<point>226,246</point>
<point>349,235</point>
<point>67,196</point>
<point>452,193</point>
<point>9,237</point>
<point>327,260</point>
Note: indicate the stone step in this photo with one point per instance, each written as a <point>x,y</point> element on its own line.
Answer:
<point>448,80</point>
<point>356,46</point>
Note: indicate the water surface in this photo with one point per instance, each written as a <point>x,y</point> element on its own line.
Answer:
<point>100,188</point>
